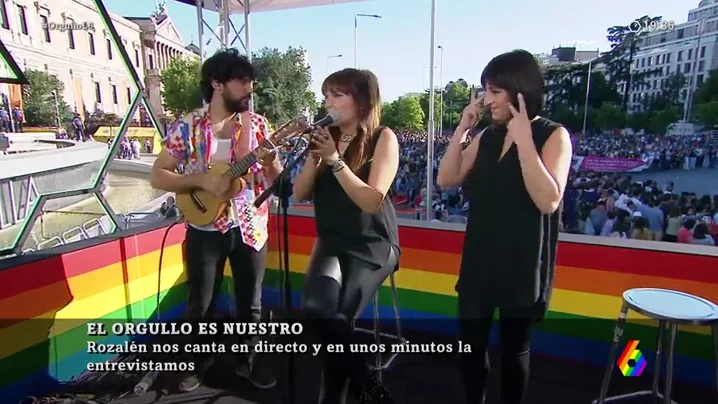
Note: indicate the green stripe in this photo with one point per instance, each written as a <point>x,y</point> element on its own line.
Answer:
<point>589,328</point>
<point>47,354</point>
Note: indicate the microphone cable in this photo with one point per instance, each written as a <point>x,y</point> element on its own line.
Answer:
<point>149,378</point>
<point>175,222</point>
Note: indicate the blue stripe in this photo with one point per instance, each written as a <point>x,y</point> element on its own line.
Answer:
<point>594,353</point>
<point>553,345</point>
<point>48,380</point>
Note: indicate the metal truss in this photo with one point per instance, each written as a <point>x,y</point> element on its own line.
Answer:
<point>95,188</point>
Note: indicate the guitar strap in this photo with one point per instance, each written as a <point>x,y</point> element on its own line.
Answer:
<point>235,138</point>
<point>231,212</point>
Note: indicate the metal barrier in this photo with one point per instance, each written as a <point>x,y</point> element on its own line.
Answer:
<point>94,223</point>
<point>140,216</point>
<point>89,229</point>
<point>50,243</point>
<point>68,235</point>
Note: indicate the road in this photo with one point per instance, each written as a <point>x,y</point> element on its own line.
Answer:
<point>703,181</point>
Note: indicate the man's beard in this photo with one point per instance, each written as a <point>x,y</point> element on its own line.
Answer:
<point>237,106</point>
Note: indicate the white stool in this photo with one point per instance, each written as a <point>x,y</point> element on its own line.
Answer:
<point>671,309</point>
<point>380,366</point>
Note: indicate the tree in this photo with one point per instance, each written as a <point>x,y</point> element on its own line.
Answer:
<point>38,102</point>
<point>707,113</point>
<point>562,89</point>
<point>624,45</point>
<point>456,96</point>
<point>283,80</point>
<point>669,97</point>
<point>404,113</point>
<point>568,117</point>
<point>708,90</point>
<point>567,88</point>
<point>424,102</point>
<point>181,92</point>
<point>321,110</point>
<point>610,116</point>
<point>310,100</point>
<point>659,120</point>
<point>706,93</point>
<point>638,120</point>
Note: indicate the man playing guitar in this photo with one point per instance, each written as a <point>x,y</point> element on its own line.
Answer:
<point>223,132</point>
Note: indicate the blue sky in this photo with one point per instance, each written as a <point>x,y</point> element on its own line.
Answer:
<point>396,47</point>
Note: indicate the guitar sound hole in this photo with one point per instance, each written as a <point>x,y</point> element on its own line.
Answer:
<point>197,203</point>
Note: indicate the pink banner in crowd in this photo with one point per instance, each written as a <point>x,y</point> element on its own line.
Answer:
<point>609,164</point>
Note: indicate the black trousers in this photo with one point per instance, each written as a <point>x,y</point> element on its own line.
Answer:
<point>515,327</point>
<point>337,289</point>
<point>205,256</point>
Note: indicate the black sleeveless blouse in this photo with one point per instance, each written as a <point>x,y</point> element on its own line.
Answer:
<point>510,247</point>
<point>345,229</point>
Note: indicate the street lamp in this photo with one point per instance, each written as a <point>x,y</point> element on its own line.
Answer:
<point>441,86</point>
<point>57,108</point>
<point>693,79</point>
<point>431,128</point>
<point>329,59</point>
<point>588,88</point>
<point>356,35</point>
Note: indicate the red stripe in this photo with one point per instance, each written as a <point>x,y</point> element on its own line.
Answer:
<point>612,259</point>
<point>431,240</point>
<point>60,267</point>
<point>664,264</point>
<point>627,351</point>
<point>409,237</point>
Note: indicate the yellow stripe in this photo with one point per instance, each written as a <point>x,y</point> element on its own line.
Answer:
<point>92,306</point>
<point>87,304</point>
<point>564,301</point>
<point>101,278</point>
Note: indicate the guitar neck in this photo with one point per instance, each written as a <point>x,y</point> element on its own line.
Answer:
<point>242,166</point>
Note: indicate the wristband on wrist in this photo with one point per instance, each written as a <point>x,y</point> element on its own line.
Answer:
<point>337,165</point>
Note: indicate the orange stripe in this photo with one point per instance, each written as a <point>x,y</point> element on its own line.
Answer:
<point>627,351</point>
<point>429,261</point>
<point>615,283</point>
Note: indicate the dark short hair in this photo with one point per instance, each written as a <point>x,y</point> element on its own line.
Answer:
<point>223,66</point>
<point>517,72</point>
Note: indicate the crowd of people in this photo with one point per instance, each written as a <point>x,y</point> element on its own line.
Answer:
<point>130,149</point>
<point>664,152</point>
<point>617,206</point>
<point>596,204</point>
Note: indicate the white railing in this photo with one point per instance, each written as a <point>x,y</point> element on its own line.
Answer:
<point>94,228</point>
<point>75,232</point>
<point>94,224</point>
<point>134,219</point>
<point>50,243</point>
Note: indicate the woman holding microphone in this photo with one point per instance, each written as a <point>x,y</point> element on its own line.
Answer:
<point>348,175</point>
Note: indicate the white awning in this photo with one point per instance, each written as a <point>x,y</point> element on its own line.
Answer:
<point>258,6</point>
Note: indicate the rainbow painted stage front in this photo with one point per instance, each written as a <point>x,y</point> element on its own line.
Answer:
<point>45,304</point>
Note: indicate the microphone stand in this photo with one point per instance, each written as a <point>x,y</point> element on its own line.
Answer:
<point>282,188</point>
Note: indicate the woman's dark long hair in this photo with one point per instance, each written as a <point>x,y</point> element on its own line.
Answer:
<point>363,86</point>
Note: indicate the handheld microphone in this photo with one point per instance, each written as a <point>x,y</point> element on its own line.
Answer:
<point>324,122</point>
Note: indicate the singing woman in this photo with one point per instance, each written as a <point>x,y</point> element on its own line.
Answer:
<point>348,175</point>
<point>515,172</point>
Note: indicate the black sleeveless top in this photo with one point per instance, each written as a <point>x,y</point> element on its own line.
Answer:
<point>510,246</point>
<point>345,229</point>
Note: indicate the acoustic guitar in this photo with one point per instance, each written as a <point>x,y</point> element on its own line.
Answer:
<point>201,208</point>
